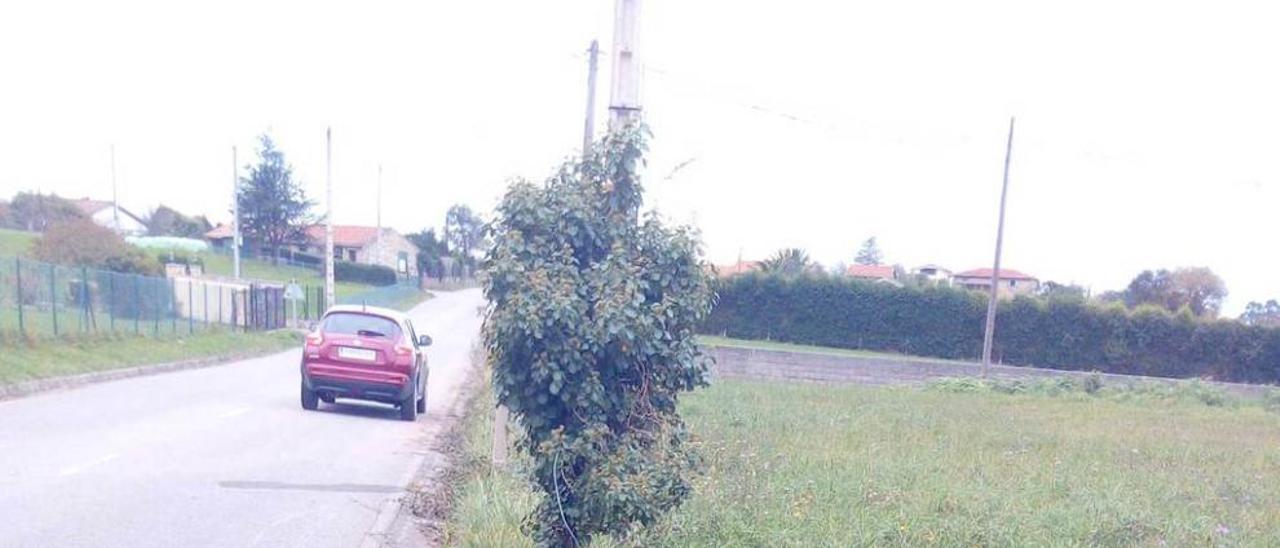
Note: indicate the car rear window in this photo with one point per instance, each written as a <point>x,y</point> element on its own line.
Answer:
<point>360,324</point>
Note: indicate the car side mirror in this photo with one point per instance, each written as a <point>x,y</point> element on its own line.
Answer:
<point>424,340</point>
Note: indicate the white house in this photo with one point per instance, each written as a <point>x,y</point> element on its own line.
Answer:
<point>934,273</point>
<point>112,216</point>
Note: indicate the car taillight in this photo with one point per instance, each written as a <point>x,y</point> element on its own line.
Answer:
<point>315,339</point>
<point>403,349</point>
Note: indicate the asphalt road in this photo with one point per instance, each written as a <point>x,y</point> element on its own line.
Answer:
<point>222,456</point>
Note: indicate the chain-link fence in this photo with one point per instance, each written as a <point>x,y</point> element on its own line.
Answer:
<point>42,300</point>
<point>400,296</point>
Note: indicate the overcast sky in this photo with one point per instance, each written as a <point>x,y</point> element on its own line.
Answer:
<point>1147,132</point>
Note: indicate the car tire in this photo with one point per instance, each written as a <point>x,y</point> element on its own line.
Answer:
<point>310,400</point>
<point>409,407</point>
<point>422,401</point>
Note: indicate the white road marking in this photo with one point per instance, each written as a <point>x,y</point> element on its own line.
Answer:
<point>73,470</point>
<point>234,413</point>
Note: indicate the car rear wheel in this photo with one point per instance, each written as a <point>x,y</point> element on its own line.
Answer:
<point>422,398</point>
<point>310,400</point>
<point>409,407</point>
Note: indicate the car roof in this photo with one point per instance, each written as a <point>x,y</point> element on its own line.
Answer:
<point>393,315</point>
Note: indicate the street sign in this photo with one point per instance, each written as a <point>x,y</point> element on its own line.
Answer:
<point>293,292</point>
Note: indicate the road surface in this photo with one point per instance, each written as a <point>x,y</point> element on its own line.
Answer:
<point>222,456</point>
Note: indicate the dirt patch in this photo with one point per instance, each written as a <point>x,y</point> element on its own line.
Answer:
<point>431,497</point>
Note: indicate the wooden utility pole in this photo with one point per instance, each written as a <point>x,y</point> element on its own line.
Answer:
<point>328,218</point>
<point>989,335</point>
<point>588,134</point>
<point>624,92</point>
<point>235,216</point>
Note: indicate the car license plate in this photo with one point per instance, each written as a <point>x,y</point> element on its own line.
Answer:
<point>362,354</point>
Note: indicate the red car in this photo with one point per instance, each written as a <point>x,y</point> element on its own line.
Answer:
<point>366,353</point>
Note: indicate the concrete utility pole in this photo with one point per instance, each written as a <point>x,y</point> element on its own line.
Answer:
<point>989,336</point>
<point>328,217</point>
<point>377,236</point>
<point>624,94</point>
<point>235,216</point>
<point>588,135</point>
<point>115,205</point>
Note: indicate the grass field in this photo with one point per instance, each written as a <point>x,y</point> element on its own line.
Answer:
<point>263,270</point>
<point>713,340</point>
<point>19,362</point>
<point>956,464</point>
<point>16,243</point>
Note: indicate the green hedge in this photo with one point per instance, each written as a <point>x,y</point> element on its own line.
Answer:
<point>371,274</point>
<point>947,323</point>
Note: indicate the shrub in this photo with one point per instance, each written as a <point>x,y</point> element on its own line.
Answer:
<point>82,242</point>
<point>948,323</point>
<point>591,337</point>
<point>372,274</point>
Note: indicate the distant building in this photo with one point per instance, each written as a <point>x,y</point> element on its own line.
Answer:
<point>110,215</point>
<point>740,267</point>
<point>219,237</point>
<point>933,273</point>
<point>365,244</point>
<point>872,272</point>
<point>1009,282</point>
<point>357,244</point>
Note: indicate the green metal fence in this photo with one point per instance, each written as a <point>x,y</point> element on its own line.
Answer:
<point>397,296</point>
<point>42,300</point>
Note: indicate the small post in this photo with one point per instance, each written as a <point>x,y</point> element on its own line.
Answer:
<point>500,436</point>
<point>84,296</point>
<point>111,300</point>
<point>137,304</point>
<point>220,304</point>
<point>53,297</point>
<point>206,304</point>
<point>191,298</point>
<point>22,326</point>
<point>173,307</point>
<point>155,328</point>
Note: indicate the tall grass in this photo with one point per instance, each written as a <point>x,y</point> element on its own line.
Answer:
<point>813,465</point>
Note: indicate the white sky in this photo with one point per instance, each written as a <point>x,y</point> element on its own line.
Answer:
<point>1147,132</point>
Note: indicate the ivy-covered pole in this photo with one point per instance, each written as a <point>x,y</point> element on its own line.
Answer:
<point>590,332</point>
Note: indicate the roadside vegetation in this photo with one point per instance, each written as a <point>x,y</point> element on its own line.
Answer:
<point>1067,333</point>
<point>728,342</point>
<point>959,462</point>
<point>74,355</point>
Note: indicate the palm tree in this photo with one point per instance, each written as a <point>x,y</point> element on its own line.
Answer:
<point>790,261</point>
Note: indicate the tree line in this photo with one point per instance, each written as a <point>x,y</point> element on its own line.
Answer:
<point>1197,290</point>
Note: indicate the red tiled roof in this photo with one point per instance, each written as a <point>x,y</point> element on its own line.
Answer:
<point>870,271</point>
<point>219,232</point>
<point>741,267</point>
<point>344,235</point>
<point>1005,274</point>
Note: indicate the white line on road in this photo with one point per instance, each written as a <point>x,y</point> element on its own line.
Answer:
<point>73,470</point>
<point>234,412</point>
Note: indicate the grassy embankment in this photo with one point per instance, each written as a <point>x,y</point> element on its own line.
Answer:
<point>72,356</point>
<point>957,463</point>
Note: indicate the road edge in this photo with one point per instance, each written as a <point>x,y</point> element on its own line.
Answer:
<point>39,386</point>
<point>398,524</point>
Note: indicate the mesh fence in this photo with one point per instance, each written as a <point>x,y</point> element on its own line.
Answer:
<point>42,300</point>
<point>399,296</point>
